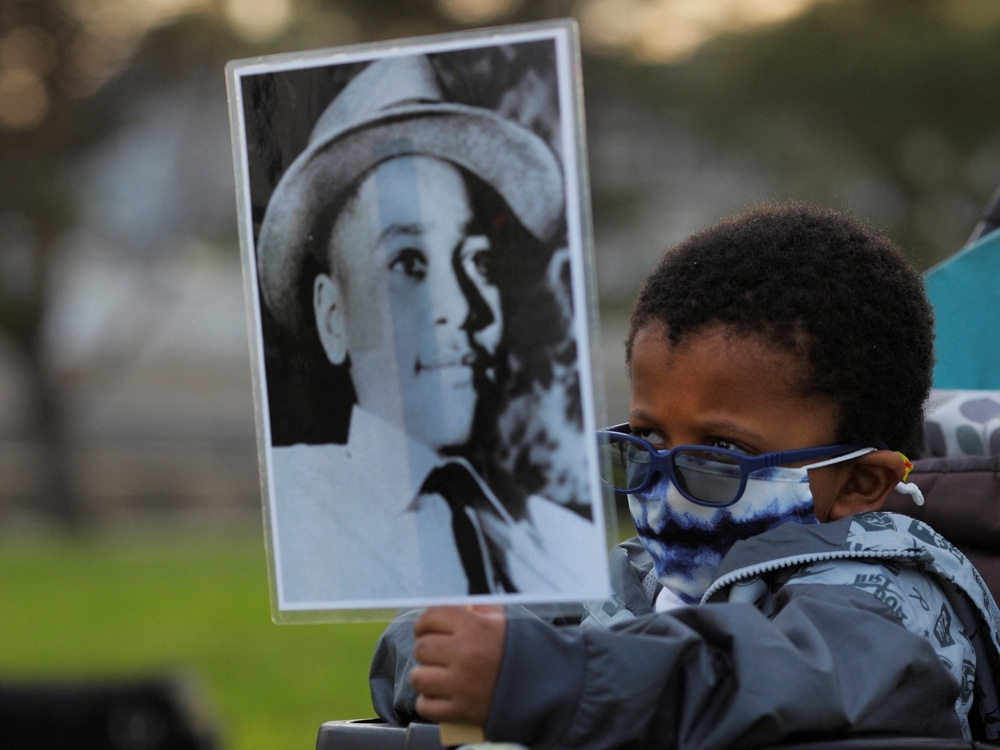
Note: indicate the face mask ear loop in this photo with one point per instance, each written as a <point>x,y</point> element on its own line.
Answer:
<point>906,488</point>
<point>909,488</point>
<point>839,459</point>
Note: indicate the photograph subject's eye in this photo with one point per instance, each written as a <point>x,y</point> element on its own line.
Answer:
<point>409,261</point>
<point>477,257</point>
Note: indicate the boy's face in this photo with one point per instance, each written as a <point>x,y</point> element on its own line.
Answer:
<point>411,273</point>
<point>717,388</point>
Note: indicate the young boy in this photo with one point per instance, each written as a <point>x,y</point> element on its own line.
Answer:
<point>758,604</point>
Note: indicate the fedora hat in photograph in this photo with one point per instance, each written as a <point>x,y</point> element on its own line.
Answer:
<point>394,108</point>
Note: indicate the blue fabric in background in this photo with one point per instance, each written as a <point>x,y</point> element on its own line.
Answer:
<point>965,293</point>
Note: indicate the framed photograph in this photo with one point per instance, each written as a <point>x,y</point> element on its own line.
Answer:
<point>417,256</point>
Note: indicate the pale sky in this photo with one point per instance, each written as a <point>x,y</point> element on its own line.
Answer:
<point>654,30</point>
<point>669,30</point>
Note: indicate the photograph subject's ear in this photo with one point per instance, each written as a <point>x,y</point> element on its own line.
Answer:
<point>870,480</point>
<point>328,307</point>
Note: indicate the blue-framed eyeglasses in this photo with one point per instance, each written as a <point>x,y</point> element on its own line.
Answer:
<point>705,475</point>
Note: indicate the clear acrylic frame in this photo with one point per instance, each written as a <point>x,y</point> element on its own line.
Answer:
<point>348,533</point>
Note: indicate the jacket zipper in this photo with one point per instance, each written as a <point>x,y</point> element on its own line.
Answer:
<point>813,557</point>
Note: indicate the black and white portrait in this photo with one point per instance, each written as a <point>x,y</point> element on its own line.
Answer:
<point>414,245</point>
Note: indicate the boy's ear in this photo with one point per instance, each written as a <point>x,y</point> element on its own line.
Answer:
<point>868,482</point>
<point>331,320</point>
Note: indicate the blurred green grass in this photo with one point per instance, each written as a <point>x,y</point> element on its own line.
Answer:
<point>193,604</point>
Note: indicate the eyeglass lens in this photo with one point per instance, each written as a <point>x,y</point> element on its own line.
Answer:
<point>708,475</point>
<point>624,464</point>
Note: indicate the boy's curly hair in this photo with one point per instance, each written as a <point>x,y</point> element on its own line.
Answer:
<point>821,285</point>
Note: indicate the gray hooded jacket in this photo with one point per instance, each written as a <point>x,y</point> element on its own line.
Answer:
<point>869,625</point>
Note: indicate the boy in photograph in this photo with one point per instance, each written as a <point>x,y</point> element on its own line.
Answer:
<point>385,241</point>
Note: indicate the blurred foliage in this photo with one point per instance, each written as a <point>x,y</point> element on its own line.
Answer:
<point>869,69</point>
<point>900,93</point>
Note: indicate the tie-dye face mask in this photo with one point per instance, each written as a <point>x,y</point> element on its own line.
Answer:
<point>688,541</point>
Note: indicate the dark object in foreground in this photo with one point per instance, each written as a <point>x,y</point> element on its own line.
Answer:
<point>372,734</point>
<point>151,714</point>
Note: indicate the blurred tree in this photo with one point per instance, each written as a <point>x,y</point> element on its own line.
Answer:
<point>41,123</point>
<point>67,80</point>
<point>884,103</point>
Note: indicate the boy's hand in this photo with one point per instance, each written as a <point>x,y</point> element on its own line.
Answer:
<point>459,651</point>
